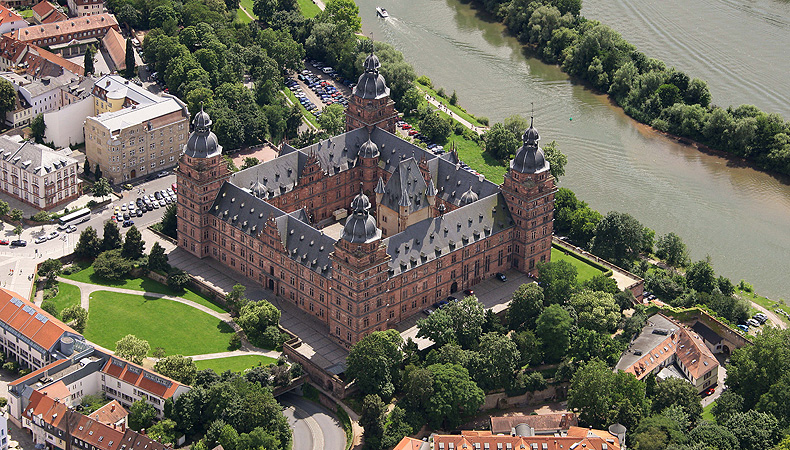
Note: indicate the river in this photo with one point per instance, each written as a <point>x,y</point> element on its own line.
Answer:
<point>737,216</point>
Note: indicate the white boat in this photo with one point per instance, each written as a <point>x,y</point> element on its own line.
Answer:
<point>381,12</point>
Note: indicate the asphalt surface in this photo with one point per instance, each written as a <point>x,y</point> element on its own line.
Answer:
<point>314,427</point>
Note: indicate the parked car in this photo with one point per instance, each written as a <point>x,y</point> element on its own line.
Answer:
<point>500,276</point>
<point>743,328</point>
<point>71,229</point>
<point>127,186</point>
<point>753,323</point>
<point>157,195</point>
<point>428,311</point>
<point>128,223</point>
<point>125,216</point>
<point>708,392</point>
<point>53,235</point>
<point>139,213</point>
<point>40,239</point>
<point>4,242</point>
<point>163,173</point>
<point>19,243</point>
<point>469,292</point>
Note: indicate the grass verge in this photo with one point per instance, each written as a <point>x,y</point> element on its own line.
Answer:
<point>584,270</point>
<point>456,109</point>
<point>143,284</point>
<point>766,303</point>
<point>308,116</point>
<point>248,5</point>
<point>241,17</point>
<point>707,414</point>
<point>346,421</point>
<point>68,295</point>
<point>308,8</point>
<point>234,363</point>
<point>160,322</point>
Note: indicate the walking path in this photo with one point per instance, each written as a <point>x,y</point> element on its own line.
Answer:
<point>454,116</point>
<point>86,289</point>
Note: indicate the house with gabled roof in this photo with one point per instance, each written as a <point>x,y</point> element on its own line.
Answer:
<point>575,438</point>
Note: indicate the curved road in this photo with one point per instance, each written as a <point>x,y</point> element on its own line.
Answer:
<point>314,427</point>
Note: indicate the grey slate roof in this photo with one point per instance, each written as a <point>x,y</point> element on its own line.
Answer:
<point>706,333</point>
<point>431,238</point>
<point>406,187</point>
<point>277,176</point>
<point>248,214</point>
<point>202,142</point>
<point>530,158</point>
<point>371,84</point>
<point>32,157</point>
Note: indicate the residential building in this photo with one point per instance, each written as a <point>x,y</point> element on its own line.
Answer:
<point>668,348</point>
<point>573,438</point>
<point>41,95</point>
<point>112,414</point>
<point>46,12</point>
<point>115,46</point>
<point>3,430</point>
<point>70,37</point>
<point>81,8</point>
<point>10,21</point>
<point>22,57</point>
<point>135,133</point>
<point>535,424</point>
<point>420,227</point>
<point>36,174</point>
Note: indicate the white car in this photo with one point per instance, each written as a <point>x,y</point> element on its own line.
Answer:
<point>40,239</point>
<point>53,235</point>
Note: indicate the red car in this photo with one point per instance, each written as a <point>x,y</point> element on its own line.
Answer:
<point>175,188</point>
<point>406,126</point>
<point>412,132</point>
<point>708,392</point>
<point>4,242</point>
<point>469,292</point>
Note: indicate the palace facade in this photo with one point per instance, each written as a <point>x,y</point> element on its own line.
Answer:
<point>419,227</point>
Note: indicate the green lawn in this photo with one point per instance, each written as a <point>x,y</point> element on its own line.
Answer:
<point>585,271</point>
<point>68,295</point>
<point>308,8</point>
<point>144,284</point>
<point>234,363</point>
<point>764,302</point>
<point>26,13</point>
<point>471,153</point>
<point>248,4</point>
<point>305,113</point>
<point>163,323</point>
<point>465,115</point>
<point>707,415</point>
<point>241,17</point>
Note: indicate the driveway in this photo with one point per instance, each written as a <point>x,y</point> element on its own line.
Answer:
<point>721,357</point>
<point>314,427</point>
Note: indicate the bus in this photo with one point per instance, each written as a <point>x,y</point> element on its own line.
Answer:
<point>79,216</point>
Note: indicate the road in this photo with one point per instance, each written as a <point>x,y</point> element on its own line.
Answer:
<point>17,264</point>
<point>314,427</point>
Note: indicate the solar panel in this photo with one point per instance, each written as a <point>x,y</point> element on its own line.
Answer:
<point>16,301</point>
<point>159,380</point>
<point>134,369</point>
<point>29,309</point>
<point>42,318</point>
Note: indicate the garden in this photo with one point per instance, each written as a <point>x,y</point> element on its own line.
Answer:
<point>234,363</point>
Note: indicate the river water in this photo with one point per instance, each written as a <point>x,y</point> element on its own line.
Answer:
<point>736,215</point>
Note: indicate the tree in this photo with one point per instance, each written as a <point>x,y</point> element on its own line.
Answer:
<point>164,431</point>
<point>604,397</point>
<point>112,236</point>
<point>88,61</point>
<point>16,214</point>
<point>499,359</point>
<point>454,396</point>
<point>556,159</point>
<point>132,348</point>
<point>701,277</point>
<point>397,427</point>
<point>250,161</point>
<point>410,100</point>
<point>97,172</point>
<point>754,430</point>
<point>333,119</point>
<point>460,322</point>
<point>177,279</point>
<point>373,362</point>
<point>157,259</point>
<point>18,231</point>
<point>177,367</point>
<point>38,127</point>
<point>111,265</point>
<point>529,347</point>
<point>50,268</point>
<point>728,403</point>
<point>101,188</point>
<point>129,60</point>
<point>256,317</point>
<point>4,208</point>
<point>89,245</point>
<point>170,220</point>
<point>141,415</point>
<point>7,96</point>
<point>657,433</point>
<point>671,249</point>
<point>711,435</point>
<point>86,168</point>
<point>596,310</point>
<point>342,12</point>
<point>587,344</point>
<point>133,245</point>
<point>554,327</point>
<point>678,392</point>
<point>435,128</point>
<point>237,297</point>
<point>501,142</point>
<point>558,279</point>
<point>75,316</point>
<point>603,283</point>
<point>453,98</point>
<point>372,419</point>
<point>526,306</point>
<point>619,238</point>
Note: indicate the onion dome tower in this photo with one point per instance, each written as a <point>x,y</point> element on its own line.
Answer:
<point>360,226</point>
<point>529,192</point>
<point>200,174</point>
<point>370,104</point>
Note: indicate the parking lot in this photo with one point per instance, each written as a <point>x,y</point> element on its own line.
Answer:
<point>146,201</point>
<point>319,86</point>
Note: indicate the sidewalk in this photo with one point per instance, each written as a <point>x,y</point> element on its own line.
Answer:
<point>454,116</point>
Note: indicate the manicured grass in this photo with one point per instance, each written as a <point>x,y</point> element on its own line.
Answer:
<point>144,284</point>
<point>707,415</point>
<point>308,8</point>
<point>178,328</point>
<point>68,295</point>
<point>234,363</point>
<point>248,4</point>
<point>305,113</point>
<point>585,271</point>
<point>241,17</point>
<point>461,113</point>
<point>26,13</point>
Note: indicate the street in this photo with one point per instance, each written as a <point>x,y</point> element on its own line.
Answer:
<point>17,264</point>
<point>314,427</point>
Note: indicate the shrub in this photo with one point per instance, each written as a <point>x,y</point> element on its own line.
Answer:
<point>177,280</point>
<point>3,402</point>
<point>23,372</point>
<point>459,129</point>
<point>75,316</point>
<point>110,265</point>
<point>440,92</point>
<point>235,342</point>
<point>482,120</point>
<point>49,294</point>
<point>49,306</point>
<point>70,269</point>
<point>41,216</point>
<point>11,366</point>
<point>424,80</point>
<point>92,203</point>
<point>271,337</point>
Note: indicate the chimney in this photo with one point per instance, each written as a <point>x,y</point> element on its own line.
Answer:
<point>112,408</point>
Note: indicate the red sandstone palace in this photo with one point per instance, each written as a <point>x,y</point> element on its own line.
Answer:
<point>420,226</point>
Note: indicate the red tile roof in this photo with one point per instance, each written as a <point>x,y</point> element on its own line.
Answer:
<point>51,412</point>
<point>141,378</point>
<point>8,16</point>
<point>64,28</point>
<point>590,440</point>
<point>540,422</point>
<point>55,16</point>
<point>43,8</point>
<point>116,48</point>
<point>95,433</point>
<point>57,391</point>
<point>110,414</point>
<point>31,321</point>
<point>408,443</point>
